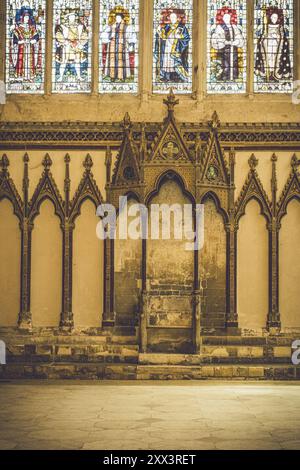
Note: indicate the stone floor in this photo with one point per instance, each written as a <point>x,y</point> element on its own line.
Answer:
<point>149,415</point>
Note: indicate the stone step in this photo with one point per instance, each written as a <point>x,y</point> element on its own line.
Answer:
<point>87,371</point>
<point>213,372</point>
<point>240,340</point>
<point>67,370</point>
<point>221,354</point>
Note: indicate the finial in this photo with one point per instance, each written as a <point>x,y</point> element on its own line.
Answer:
<point>253,162</point>
<point>215,122</point>
<point>47,162</point>
<point>88,163</point>
<point>25,176</point>
<point>295,162</point>
<point>67,158</point>
<point>108,161</point>
<point>127,122</point>
<point>232,156</point>
<point>171,102</point>
<point>198,147</point>
<point>4,162</point>
<point>25,182</point>
<point>108,156</point>
<point>274,158</point>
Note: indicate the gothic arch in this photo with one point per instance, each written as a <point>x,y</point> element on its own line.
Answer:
<point>210,194</point>
<point>253,189</point>
<point>169,174</point>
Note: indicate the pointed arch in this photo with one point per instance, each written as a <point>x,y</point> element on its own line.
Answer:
<point>253,189</point>
<point>8,189</point>
<point>291,191</point>
<point>87,190</point>
<point>213,156</point>
<point>46,189</point>
<point>210,194</point>
<point>169,175</point>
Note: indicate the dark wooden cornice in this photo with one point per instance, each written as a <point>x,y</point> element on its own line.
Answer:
<point>75,134</point>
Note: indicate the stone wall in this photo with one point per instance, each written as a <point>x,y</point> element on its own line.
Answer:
<point>127,277</point>
<point>170,272</point>
<point>212,268</point>
<point>169,266</point>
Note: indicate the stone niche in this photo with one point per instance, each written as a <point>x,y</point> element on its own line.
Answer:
<point>127,277</point>
<point>170,271</point>
<point>212,268</point>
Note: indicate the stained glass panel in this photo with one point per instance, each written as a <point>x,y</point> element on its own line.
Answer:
<point>72,46</point>
<point>25,46</point>
<point>172,46</point>
<point>226,47</point>
<point>119,44</point>
<point>273,36</point>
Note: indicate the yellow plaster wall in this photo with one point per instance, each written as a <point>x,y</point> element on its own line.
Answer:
<point>10,249</point>
<point>252,269</point>
<point>289,261</point>
<point>46,268</point>
<point>87,269</point>
<point>46,256</point>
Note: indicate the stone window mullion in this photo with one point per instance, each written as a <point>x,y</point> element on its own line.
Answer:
<point>250,47</point>
<point>145,49</point>
<point>49,47</point>
<point>95,47</point>
<point>2,42</point>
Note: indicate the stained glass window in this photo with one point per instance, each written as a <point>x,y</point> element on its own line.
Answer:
<point>119,41</point>
<point>25,46</point>
<point>226,47</point>
<point>273,35</point>
<point>172,46</point>
<point>72,46</point>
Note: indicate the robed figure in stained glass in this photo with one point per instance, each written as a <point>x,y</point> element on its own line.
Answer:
<point>273,62</point>
<point>118,47</point>
<point>172,47</point>
<point>25,46</point>
<point>72,41</point>
<point>227,43</point>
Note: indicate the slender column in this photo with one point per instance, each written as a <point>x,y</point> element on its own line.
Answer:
<point>67,319</point>
<point>274,315</point>
<point>25,317</point>
<point>145,48</point>
<point>49,47</point>
<point>108,314</point>
<point>143,321</point>
<point>231,310</point>
<point>273,227</point>
<point>231,253</point>
<point>108,317</point>
<point>196,296</point>
<point>144,300</point>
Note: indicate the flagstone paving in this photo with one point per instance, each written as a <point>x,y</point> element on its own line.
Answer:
<point>149,415</point>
